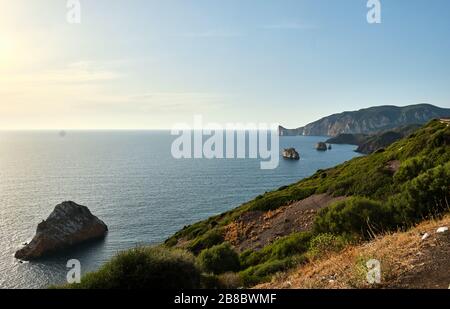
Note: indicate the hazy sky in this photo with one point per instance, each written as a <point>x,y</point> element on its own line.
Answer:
<point>150,64</point>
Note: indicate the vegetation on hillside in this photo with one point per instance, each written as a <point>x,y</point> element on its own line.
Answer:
<point>388,190</point>
<point>145,267</point>
<point>368,144</point>
<point>407,261</point>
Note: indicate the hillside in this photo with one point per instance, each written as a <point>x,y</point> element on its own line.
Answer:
<point>333,210</point>
<point>391,189</point>
<point>348,139</point>
<point>407,262</point>
<point>370,143</point>
<point>369,120</point>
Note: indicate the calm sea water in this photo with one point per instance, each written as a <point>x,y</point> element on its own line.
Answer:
<point>129,180</point>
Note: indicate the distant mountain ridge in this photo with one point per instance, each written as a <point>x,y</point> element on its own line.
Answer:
<point>369,120</point>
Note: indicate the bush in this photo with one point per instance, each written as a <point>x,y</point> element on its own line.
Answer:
<point>355,215</point>
<point>263,272</point>
<point>325,243</point>
<point>271,201</point>
<point>145,268</point>
<point>219,259</point>
<point>283,196</point>
<point>425,196</point>
<point>229,281</point>
<point>208,240</point>
<point>411,168</point>
<point>294,244</point>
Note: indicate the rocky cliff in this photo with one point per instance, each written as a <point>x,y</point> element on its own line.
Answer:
<point>369,120</point>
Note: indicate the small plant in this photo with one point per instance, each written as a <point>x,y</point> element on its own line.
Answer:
<point>229,280</point>
<point>322,244</point>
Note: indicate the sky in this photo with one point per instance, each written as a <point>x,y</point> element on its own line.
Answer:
<point>145,64</point>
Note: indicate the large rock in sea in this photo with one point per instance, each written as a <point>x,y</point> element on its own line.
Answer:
<point>68,225</point>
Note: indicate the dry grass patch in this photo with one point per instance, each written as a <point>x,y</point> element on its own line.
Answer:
<point>399,253</point>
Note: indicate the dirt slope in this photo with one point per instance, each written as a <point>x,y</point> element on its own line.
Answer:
<point>256,229</point>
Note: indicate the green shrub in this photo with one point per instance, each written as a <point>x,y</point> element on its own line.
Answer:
<point>229,281</point>
<point>145,268</point>
<point>219,259</point>
<point>355,215</point>
<point>299,193</point>
<point>411,168</point>
<point>271,201</point>
<point>283,196</point>
<point>293,244</point>
<point>325,243</point>
<point>263,272</point>
<point>209,281</point>
<point>208,240</point>
<point>425,196</point>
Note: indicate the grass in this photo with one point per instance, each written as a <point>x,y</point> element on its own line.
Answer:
<point>346,269</point>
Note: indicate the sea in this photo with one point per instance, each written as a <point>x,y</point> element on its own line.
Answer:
<point>130,180</point>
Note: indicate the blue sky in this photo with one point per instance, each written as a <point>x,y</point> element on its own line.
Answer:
<point>150,64</point>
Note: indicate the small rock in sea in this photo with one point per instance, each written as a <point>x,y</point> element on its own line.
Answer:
<point>69,224</point>
<point>291,153</point>
<point>425,236</point>
<point>442,229</point>
<point>321,146</point>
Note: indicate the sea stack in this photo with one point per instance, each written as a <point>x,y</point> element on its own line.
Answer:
<point>291,154</point>
<point>321,146</point>
<point>68,225</point>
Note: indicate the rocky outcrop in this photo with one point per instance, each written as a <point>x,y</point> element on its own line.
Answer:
<point>348,139</point>
<point>291,153</point>
<point>289,132</point>
<point>378,142</point>
<point>368,144</point>
<point>369,120</point>
<point>69,224</point>
<point>321,146</point>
